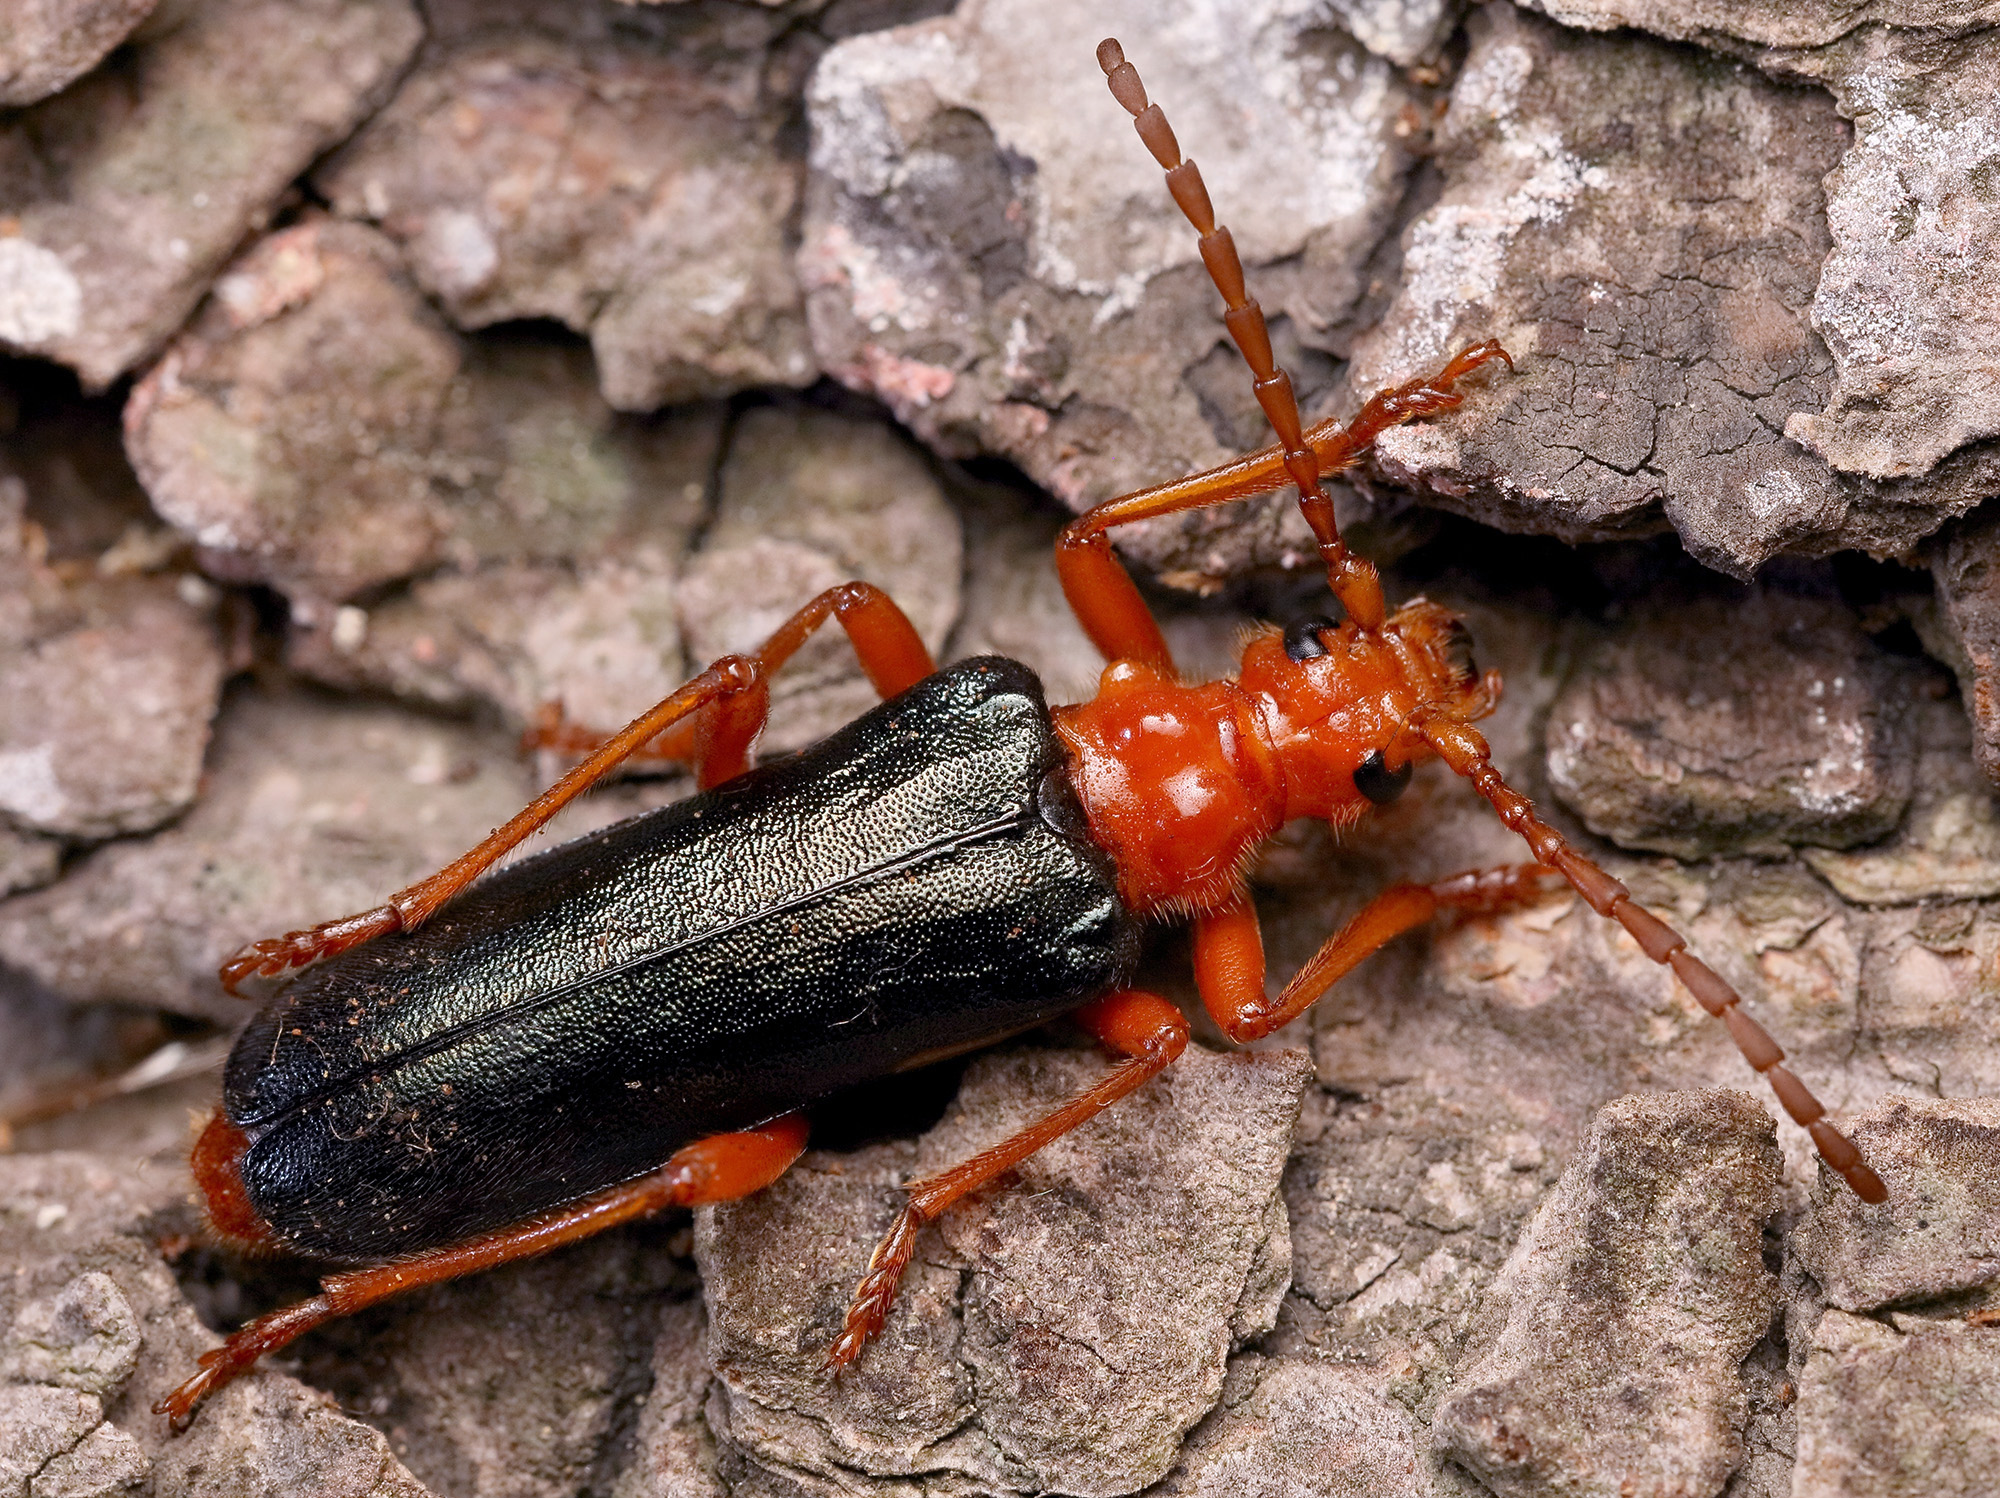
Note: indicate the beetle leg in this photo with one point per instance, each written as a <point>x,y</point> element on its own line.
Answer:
<point>718,741</point>
<point>884,640</point>
<point>410,907</point>
<point>721,1167</point>
<point>1101,592</point>
<point>1427,395</point>
<point>1229,947</point>
<point>1139,1025</point>
<point>737,692</point>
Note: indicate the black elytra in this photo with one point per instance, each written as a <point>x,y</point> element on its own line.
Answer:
<point>1380,784</point>
<point>916,885</point>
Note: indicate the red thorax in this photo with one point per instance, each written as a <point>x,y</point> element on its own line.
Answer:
<point>1182,783</point>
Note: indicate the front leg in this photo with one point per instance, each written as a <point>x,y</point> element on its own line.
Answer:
<point>1427,395</point>
<point>1229,946</point>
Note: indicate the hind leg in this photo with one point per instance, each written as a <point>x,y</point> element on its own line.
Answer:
<point>719,1168</point>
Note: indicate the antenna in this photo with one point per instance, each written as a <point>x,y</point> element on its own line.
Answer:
<point>1354,581</point>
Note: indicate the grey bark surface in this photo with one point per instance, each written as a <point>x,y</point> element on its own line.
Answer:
<point>1742,725</point>
<point>1639,1286</point>
<point>632,190</point>
<point>46,45</point>
<point>107,689</point>
<point>1651,226</point>
<point>90,1301</point>
<point>388,375</point>
<point>1966,626</point>
<point>132,187</point>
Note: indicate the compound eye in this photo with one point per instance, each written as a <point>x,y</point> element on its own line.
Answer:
<point>1458,652</point>
<point>1380,784</point>
<point>1302,641</point>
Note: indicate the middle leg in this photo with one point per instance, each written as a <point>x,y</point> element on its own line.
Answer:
<point>1141,1026</point>
<point>712,722</point>
<point>717,741</point>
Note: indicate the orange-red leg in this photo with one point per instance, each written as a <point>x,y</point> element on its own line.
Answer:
<point>1229,947</point>
<point>735,692</point>
<point>719,1168</point>
<point>1134,1023</point>
<point>718,742</point>
<point>1101,593</point>
<point>1461,746</point>
<point>408,908</point>
<point>1428,395</point>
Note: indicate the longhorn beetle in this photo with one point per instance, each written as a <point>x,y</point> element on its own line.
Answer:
<point>634,1020</point>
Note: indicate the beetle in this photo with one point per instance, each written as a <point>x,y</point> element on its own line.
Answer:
<point>468,1075</point>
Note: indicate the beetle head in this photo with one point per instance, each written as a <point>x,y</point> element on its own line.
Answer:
<point>1339,702</point>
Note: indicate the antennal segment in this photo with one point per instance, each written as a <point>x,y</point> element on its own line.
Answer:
<point>1462,747</point>
<point>1354,581</point>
